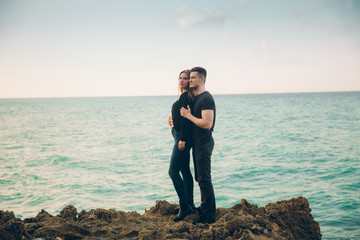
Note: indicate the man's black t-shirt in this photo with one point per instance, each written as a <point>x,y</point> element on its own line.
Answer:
<point>203,101</point>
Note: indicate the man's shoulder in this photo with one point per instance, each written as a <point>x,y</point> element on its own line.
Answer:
<point>205,101</point>
<point>206,96</point>
<point>209,95</point>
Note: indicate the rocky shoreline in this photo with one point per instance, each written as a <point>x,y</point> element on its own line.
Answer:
<point>287,219</point>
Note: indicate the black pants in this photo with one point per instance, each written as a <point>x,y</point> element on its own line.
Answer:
<point>180,162</point>
<point>202,163</point>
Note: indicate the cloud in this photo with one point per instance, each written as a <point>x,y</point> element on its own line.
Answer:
<point>240,3</point>
<point>310,9</point>
<point>192,18</point>
<point>200,18</point>
<point>225,36</point>
<point>264,46</point>
<point>350,4</point>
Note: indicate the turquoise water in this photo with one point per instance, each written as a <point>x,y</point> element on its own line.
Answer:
<point>114,153</point>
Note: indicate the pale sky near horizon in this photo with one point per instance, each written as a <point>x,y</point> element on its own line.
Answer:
<point>80,48</point>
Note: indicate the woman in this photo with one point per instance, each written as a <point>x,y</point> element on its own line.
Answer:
<point>180,158</point>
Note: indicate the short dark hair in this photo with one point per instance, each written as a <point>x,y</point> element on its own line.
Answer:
<point>201,71</point>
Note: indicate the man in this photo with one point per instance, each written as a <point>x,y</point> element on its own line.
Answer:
<point>203,117</point>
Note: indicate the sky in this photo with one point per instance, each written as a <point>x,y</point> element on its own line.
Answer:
<point>99,48</point>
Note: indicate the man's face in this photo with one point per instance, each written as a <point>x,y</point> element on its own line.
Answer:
<point>195,80</point>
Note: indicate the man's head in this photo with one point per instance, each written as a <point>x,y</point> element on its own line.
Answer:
<point>197,77</point>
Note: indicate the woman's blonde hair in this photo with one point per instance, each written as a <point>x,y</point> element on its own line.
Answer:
<point>181,90</point>
<point>187,71</point>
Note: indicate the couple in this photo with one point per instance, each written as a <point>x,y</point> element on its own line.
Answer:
<point>192,120</point>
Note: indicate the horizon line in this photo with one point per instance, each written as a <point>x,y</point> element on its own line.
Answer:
<point>171,95</point>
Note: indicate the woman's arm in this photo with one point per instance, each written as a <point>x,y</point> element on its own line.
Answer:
<point>185,124</point>
<point>170,121</point>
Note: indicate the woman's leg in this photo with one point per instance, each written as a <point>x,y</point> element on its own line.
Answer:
<point>176,163</point>
<point>187,177</point>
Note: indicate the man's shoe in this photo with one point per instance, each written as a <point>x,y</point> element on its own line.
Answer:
<point>183,213</point>
<point>198,210</point>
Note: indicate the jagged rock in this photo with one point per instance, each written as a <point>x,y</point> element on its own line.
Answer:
<point>11,227</point>
<point>283,220</point>
<point>295,216</point>
<point>69,212</point>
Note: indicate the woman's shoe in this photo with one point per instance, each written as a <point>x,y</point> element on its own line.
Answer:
<point>192,206</point>
<point>184,211</point>
<point>176,210</point>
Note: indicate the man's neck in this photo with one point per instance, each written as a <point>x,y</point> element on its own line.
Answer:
<point>200,90</point>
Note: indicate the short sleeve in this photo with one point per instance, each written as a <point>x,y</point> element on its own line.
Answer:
<point>208,103</point>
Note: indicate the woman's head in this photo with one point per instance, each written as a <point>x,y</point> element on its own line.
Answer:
<point>184,77</point>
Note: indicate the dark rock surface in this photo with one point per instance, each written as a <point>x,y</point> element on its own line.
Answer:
<point>287,219</point>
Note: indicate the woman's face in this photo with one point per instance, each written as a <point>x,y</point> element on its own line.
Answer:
<point>184,81</point>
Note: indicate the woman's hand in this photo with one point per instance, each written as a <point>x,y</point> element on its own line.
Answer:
<point>185,112</point>
<point>181,145</point>
<point>170,121</point>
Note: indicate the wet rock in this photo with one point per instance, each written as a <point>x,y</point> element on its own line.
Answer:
<point>6,216</point>
<point>294,215</point>
<point>161,208</point>
<point>11,227</point>
<point>43,216</point>
<point>69,213</point>
<point>283,220</point>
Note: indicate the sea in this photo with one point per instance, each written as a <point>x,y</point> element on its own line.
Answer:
<point>114,152</point>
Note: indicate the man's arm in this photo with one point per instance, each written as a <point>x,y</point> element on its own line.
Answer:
<point>206,120</point>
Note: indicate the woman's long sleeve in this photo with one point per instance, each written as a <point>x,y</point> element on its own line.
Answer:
<point>185,124</point>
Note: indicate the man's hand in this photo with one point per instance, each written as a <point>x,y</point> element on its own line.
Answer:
<point>181,145</point>
<point>185,112</point>
<point>206,120</point>
<point>170,121</point>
